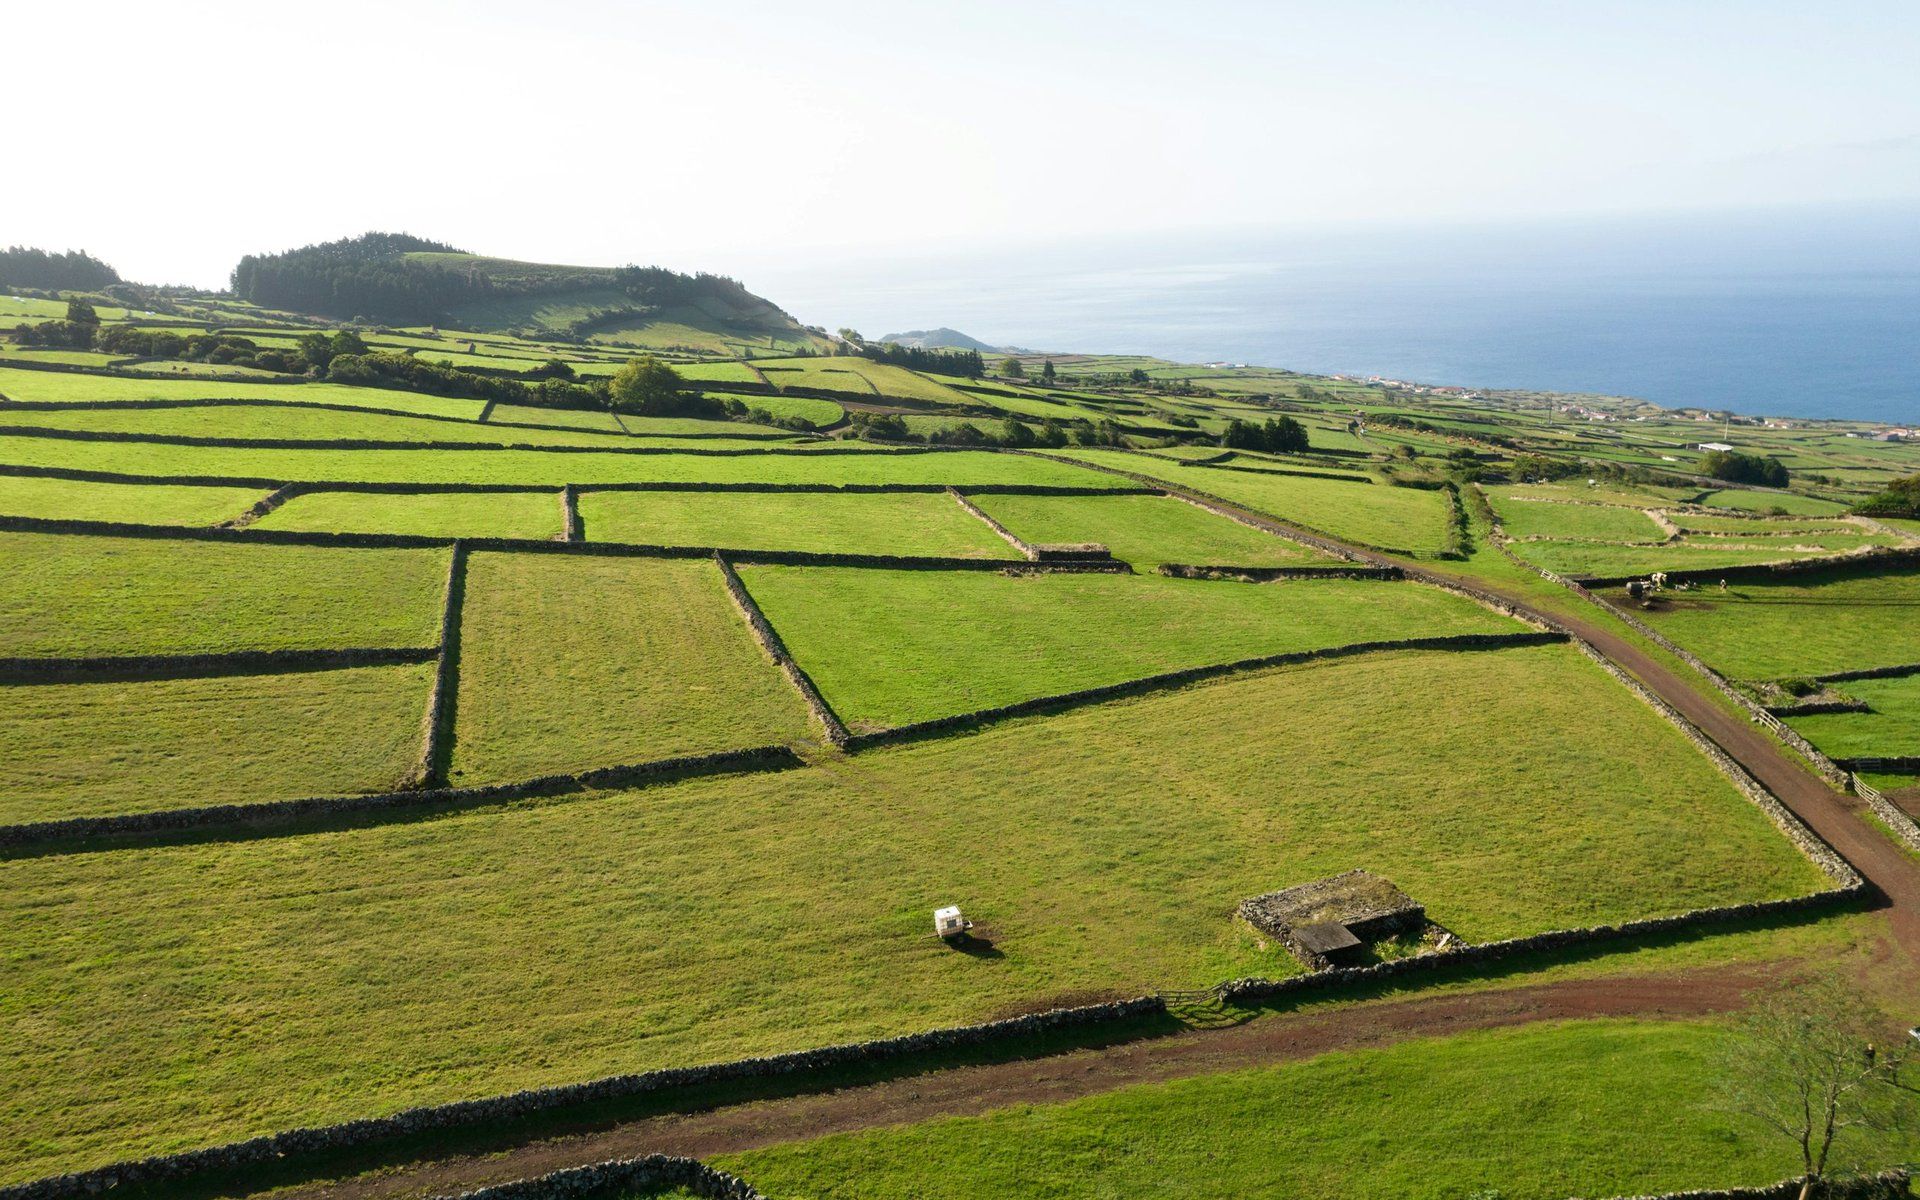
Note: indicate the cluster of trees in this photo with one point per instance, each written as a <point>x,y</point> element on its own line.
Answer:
<point>1735,467</point>
<point>371,276</point>
<point>1901,499</point>
<point>76,332</point>
<point>389,368</point>
<point>967,364</point>
<point>648,387</point>
<point>1277,435</point>
<point>74,270</point>
<point>1052,434</point>
<point>1013,368</point>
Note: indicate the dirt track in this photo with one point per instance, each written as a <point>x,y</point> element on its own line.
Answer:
<point>1066,1076</point>
<point>964,1090</point>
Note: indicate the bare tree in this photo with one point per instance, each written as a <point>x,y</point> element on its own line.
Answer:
<point>1810,1063</point>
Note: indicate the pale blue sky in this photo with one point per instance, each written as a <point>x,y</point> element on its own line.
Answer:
<point>706,136</point>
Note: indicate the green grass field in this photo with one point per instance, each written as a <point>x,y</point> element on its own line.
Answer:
<point>1146,530</point>
<point>570,663</point>
<point>1595,1108</point>
<point>63,388</point>
<point>915,523</point>
<point>95,749</point>
<point>1796,505</point>
<point>145,504</point>
<point>1533,518</point>
<point>1371,514</point>
<point>533,515</point>
<point>1787,628</point>
<point>960,468</point>
<point>64,596</point>
<point>894,647</point>
<point>187,994</point>
<point>1891,730</point>
<point>262,419</point>
<point>1585,558</point>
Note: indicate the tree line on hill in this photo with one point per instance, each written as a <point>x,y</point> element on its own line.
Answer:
<point>75,270</point>
<point>370,277</point>
<point>1011,432</point>
<point>967,364</point>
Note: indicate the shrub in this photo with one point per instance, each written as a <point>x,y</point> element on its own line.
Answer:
<point>1735,467</point>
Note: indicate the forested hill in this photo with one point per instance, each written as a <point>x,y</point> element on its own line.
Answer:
<point>26,267</point>
<point>399,279</point>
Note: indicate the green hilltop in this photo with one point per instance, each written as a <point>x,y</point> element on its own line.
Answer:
<point>400,279</point>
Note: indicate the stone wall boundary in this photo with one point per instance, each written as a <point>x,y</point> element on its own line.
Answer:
<point>617,1177</point>
<point>1218,465</point>
<point>1893,672</point>
<point>437,732</point>
<point>263,506</point>
<point>1866,558</point>
<point>1881,1185</point>
<point>265,812</point>
<point>118,668</point>
<point>1026,549</point>
<point>83,1185</point>
<point>1171,680</point>
<point>1268,574</point>
<point>769,639</point>
<point>570,530</point>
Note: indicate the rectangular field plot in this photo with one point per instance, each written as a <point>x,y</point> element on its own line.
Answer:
<point>96,749</point>
<point>261,419</point>
<point>535,515</point>
<point>145,504</point>
<point>1605,561</point>
<point>1372,514</point>
<point>916,523</point>
<point>572,663</point>
<point>958,468</point>
<point>1787,628</point>
<point>1545,518</point>
<point>473,953</point>
<point>1891,730</point>
<point>1764,502</point>
<point>891,648</point>
<point>1146,530</point>
<point>64,388</point>
<point>64,596</point>
<point>1593,1108</point>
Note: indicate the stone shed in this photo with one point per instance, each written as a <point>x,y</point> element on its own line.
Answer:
<point>1333,918</point>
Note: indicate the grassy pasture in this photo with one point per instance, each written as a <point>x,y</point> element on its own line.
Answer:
<point>446,514</point>
<point>1146,530</point>
<point>1760,525</point>
<point>859,378</point>
<point>63,388</point>
<point>1796,505</point>
<point>560,418</point>
<point>76,358</point>
<point>1573,558</point>
<point>1891,730</point>
<point>1534,518</point>
<point>1592,1108</point>
<point>93,749</point>
<point>181,995</point>
<point>62,596</point>
<point>960,468</point>
<point>589,662</point>
<point>894,647</point>
<point>856,523</point>
<point>1780,629</point>
<point>1394,517</point>
<point>821,413</point>
<point>265,420</point>
<point>147,504</point>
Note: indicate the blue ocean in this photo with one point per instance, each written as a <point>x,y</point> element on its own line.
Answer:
<point>1777,313</point>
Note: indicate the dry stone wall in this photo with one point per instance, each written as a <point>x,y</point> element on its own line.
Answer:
<point>620,1178</point>
<point>763,631</point>
<point>330,1139</point>
<point>114,667</point>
